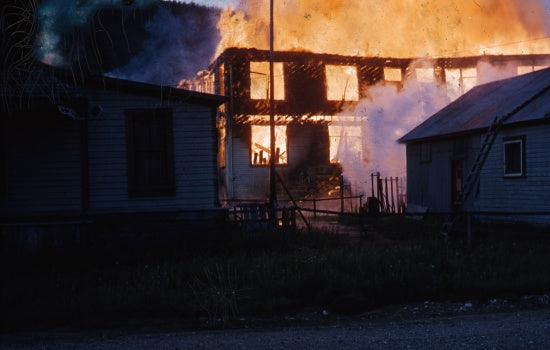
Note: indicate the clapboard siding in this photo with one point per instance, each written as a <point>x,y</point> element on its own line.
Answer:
<point>42,166</point>
<point>194,156</point>
<point>529,193</point>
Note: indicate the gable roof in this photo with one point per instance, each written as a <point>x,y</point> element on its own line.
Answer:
<point>518,99</point>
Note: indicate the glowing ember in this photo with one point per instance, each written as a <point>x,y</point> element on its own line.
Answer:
<point>395,28</point>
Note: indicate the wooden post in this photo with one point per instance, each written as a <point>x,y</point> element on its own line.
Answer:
<point>387,200</point>
<point>372,184</point>
<point>342,194</point>
<point>314,208</point>
<point>392,196</point>
<point>397,195</point>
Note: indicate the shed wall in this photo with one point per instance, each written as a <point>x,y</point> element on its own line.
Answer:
<point>194,156</point>
<point>41,165</point>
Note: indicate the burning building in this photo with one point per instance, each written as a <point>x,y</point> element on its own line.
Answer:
<point>318,125</point>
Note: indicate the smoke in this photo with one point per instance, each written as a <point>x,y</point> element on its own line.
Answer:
<point>388,113</point>
<point>395,28</point>
<point>59,17</point>
<point>177,46</point>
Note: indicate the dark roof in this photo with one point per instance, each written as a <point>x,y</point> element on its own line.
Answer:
<point>519,99</point>
<point>47,85</point>
<point>146,89</point>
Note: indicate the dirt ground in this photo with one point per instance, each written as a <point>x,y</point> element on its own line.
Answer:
<point>495,324</point>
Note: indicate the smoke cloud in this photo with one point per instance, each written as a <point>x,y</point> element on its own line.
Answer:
<point>177,47</point>
<point>59,17</point>
<point>389,113</point>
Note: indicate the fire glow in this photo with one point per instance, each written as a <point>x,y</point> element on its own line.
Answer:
<point>396,28</point>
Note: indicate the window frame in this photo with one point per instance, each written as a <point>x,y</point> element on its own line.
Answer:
<point>250,149</point>
<point>136,189</point>
<point>522,163</point>
<point>334,73</point>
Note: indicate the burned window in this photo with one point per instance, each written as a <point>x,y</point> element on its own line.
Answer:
<point>342,83</point>
<point>260,144</point>
<point>150,151</point>
<point>425,75</point>
<point>459,81</point>
<point>345,142</point>
<point>221,80</point>
<point>514,157</point>
<point>259,81</point>
<point>221,126</point>
<point>393,74</point>
<point>529,69</point>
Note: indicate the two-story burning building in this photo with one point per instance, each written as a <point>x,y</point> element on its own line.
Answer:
<point>312,94</point>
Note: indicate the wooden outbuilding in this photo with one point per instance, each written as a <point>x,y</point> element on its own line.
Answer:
<point>487,151</point>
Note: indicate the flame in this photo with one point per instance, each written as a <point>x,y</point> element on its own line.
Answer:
<point>396,28</point>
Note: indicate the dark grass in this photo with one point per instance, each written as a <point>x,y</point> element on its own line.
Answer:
<point>223,276</point>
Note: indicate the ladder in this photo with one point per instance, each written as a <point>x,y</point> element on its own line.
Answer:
<point>473,175</point>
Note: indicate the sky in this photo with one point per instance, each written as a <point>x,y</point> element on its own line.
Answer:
<point>215,3</point>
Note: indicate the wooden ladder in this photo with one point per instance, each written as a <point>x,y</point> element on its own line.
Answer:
<point>473,175</point>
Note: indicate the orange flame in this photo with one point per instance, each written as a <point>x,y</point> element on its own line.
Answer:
<point>396,28</point>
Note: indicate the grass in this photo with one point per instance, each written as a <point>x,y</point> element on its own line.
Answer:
<point>223,276</point>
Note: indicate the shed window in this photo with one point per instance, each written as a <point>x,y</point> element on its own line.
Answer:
<point>259,81</point>
<point>150,151</point>
<point>260,147</point>
<point>342,83</point>
<point>514,157</point>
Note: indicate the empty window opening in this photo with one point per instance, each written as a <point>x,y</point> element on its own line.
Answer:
<point>529,69</point>
<point>260,145</point>
<point>392,74</point>
<point>459,81</point>
<point>345,143</point>
<point>514,157</point>
<point>259,81</point>
<point>425,75</point>
<point>221,125</point>
<point>342,83</point>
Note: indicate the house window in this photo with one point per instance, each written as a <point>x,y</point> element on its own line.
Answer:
<point>425,75</point>
<point>392,74</point>
<point>529,69</point>
<point>150,151</point>
<point>259,81</point>
<point>260,145</point>
<point>342,83</point>
<point>221,140</point>
<point>459,81</point>
<point>514,157</point>
<point>345,143</point>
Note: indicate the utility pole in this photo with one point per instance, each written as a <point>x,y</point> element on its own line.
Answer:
<point>272,178</point>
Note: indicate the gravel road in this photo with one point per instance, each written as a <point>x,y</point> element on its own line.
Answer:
<point>520,329</point>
